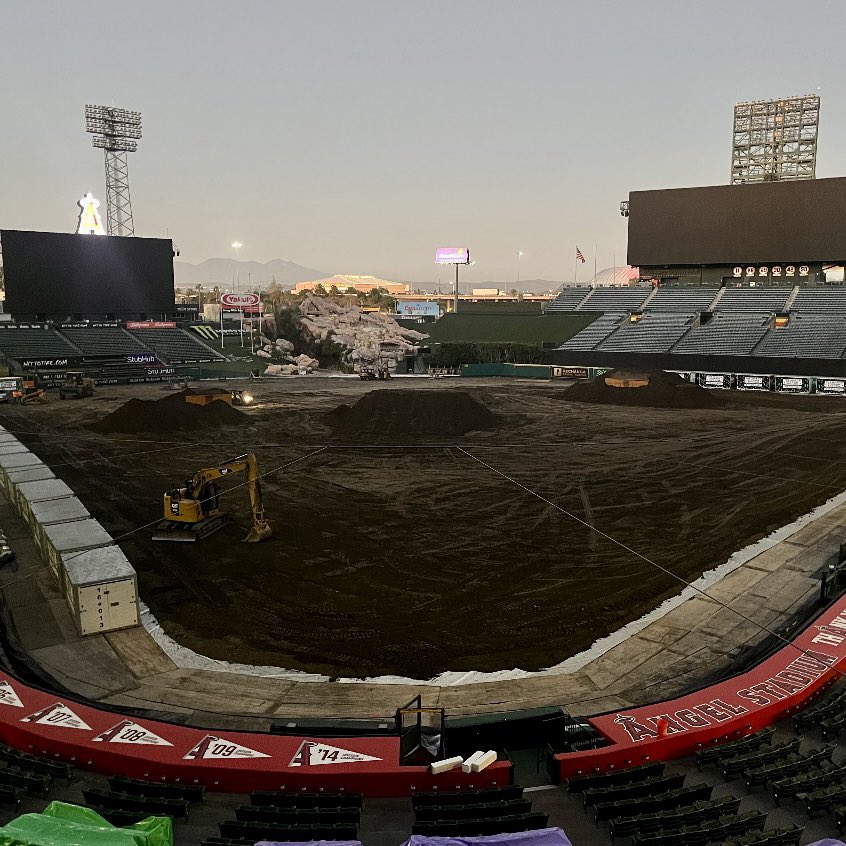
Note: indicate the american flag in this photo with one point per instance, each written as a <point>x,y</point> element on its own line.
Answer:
<point>579,255</point>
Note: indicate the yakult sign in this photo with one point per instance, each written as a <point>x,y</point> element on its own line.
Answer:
<point>240,302</point>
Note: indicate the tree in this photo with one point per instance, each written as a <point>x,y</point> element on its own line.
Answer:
<point>378,298</point>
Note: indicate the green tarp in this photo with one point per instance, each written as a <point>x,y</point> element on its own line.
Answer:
<point>69,825</point>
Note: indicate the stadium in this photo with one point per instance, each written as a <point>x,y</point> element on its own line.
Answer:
<point>598,597</point>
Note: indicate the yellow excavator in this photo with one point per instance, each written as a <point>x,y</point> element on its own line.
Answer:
<point>192,512</point>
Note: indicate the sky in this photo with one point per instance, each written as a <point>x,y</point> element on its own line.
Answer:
<point>358,136</point>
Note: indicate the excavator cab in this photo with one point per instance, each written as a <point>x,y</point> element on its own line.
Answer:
<point>192,512</point>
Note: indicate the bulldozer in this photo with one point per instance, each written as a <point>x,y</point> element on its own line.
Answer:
<point>229,397</point>
<point>76,384</point>
<point>192,512</point>
<point>27,390</point>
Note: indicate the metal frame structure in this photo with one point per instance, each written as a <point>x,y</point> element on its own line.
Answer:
<point>116,132</point>
<point>775,140</point>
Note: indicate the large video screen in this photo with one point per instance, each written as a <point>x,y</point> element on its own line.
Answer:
<point>792,222</point>
<point>61,275</point>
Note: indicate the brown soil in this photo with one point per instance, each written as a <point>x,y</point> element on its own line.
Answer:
<point>399,412</point>
<point>663,390</point>
<point>170,414</point>
<point>415,559</point>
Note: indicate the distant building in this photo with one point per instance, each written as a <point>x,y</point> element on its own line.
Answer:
<point>364,284</point>
<point>616,277</point>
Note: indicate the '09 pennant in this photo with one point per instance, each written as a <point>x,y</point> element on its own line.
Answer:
<point>219,748</point>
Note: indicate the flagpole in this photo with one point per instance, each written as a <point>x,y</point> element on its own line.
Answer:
<point>576,266</point>
<point>594,266</point>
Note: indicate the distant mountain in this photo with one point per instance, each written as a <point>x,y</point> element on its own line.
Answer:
<point>222,271</point>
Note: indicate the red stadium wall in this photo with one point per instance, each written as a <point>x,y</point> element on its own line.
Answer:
<point>723,712</point>
<point>39,722</point>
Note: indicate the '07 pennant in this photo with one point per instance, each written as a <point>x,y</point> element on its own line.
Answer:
<point>57,715</point>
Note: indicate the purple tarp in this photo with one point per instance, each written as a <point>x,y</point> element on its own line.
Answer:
<point>827,842</point>
<point>541,837</point>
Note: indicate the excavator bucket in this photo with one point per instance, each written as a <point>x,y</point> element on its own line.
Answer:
<point>258,533</point>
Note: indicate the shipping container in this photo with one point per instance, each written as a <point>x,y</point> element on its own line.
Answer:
<point>101,590</point>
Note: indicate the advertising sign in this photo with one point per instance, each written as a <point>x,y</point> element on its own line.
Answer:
<point>141,358</point>
<point>831,386</point>
<point>151,324</point>
<point>747,382</point>
<point>452,255</point>
<point>570,372</point>
<point>713,380</point>
<point>418,309</point>
<point>239,302</point>
<point>793,384</point>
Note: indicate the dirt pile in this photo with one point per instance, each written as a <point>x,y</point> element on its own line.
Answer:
<point>172,413</point>
<point>663,390</point>
<point>392,413</point>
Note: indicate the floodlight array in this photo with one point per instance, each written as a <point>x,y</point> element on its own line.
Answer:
<point>121,144</point>
<point>113,123</point>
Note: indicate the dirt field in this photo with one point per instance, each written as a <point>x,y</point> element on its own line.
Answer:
<point>396,552</point>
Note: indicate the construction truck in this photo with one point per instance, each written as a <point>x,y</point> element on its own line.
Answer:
<point>76,384</point>
<point>379,365</point>
<point>193,512</point>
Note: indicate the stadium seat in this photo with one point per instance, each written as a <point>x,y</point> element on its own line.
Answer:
<point>255,831</point>
<point>807,336</point>
<point>467,797</point>
<point>305,800</point>
<point>578,784</point>
<point>21,344</point>
<point>648,787</point>
<point>175,345</point>
<point>653,333</point>
<point>507,824</point>
<point>615,299</point>
<point>729,333</point>
<point>296,816</point>
<point>475,811</point>
<point>592,335</point>
<point>691,299</point>
<point>567,300</point>
<point>650,804</point>
<point>753,299</point>
<point>153,806</point>
<point>138,787</point>
<point>751,742</point>
<point>103,340</point>
<point>826,299</point>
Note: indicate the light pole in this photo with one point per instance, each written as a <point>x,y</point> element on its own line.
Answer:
<point>519,253</point>
<point>236,245</point>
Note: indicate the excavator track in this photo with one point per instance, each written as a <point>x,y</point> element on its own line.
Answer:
<point>171,531</point>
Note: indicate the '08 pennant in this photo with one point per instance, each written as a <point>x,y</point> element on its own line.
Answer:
<point>219,748</point>
<point>128,732</point>
<point>57,715</point>
<point>313,754</point>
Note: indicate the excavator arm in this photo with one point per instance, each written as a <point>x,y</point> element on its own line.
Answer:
<point>197,503</point>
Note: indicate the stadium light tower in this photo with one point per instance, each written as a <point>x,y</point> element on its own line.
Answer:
<point>116,132</point>
<point>775,140</point>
